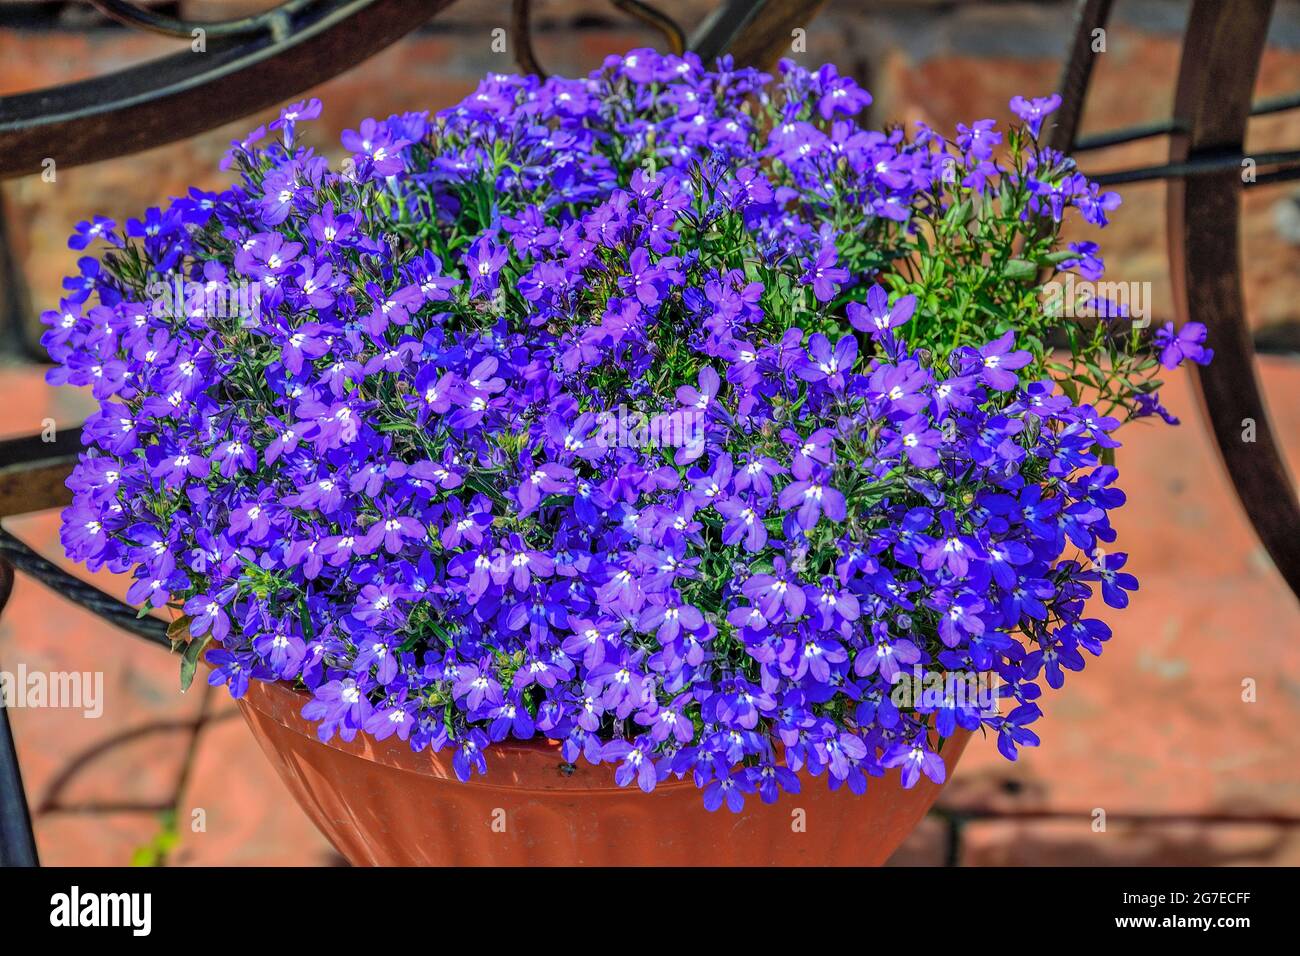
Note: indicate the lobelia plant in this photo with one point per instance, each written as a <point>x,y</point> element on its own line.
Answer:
<point>401,474</point>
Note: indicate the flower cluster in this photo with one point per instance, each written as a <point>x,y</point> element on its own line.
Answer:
<point>388,476</point>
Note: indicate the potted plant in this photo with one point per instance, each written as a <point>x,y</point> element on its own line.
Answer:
<point>660,431</point>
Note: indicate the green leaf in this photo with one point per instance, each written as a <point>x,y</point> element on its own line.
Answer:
<point>190,659</point>
<point>1020,270</point>
<point>178,630</point>
<point>958,212</point>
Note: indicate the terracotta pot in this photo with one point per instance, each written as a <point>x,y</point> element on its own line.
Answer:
<point>381,804</point>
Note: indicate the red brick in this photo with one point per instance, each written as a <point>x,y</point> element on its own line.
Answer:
<point>249,817</point>
<point>926,846</point>
<point>1073,843</point>
<point>109,839</point>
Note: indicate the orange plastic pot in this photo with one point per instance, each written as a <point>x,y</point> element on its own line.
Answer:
<point>381,804</point>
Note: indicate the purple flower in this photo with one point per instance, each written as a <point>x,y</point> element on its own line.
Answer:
<point>811,495</point>
<point>978,139</point>
<point>744,523</point>
<point>998,362</point>
<point>878,316</point>
<point>477,686</point>
<point>375,150</point>
<point>207,613</point>
<point>1188,343</point>
<point>469,756</point>
<point>392,529</point>
<point>1034,111</point>
<point>290,116</point>
<point>231,669</point>
<point>829,364</point>
<point>952,549</point>
<point>777,596</point>
<point>823,274</point>
<point>635,762</point>
<point>915,758</point>
<point>548,478</point>
<point>916,439</point>
<point>645,280</point>
<point>839,94</point>
<point>960,615</point>
<point>1012,732</point>
<point>1115,584</point>
<point>496,431</point>
<point>484,262</point>
<point>729,789</point>
<point>101,227</point>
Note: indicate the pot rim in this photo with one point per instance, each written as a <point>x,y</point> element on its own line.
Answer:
<point>512,764</point>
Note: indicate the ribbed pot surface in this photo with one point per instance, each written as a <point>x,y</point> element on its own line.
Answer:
<point>381,804</point>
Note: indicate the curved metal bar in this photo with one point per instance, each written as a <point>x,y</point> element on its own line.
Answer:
<point>274,21</point>
<point>723,26</point>
<point>33,471</point>
<point>1276,104</point>
<point>521,35</point>
<point>17,842</point>
<point>1127,134</point>
<point>13,551</point>
<point>1141,131</point>
<point>521,31</point>
<point>187,93</point>
<point>1277,176</point>
<point>673,34</point>
<point>1221,56</point>
<point>754,32</point>
<point>1272,165</point>
<point>1076,72</point>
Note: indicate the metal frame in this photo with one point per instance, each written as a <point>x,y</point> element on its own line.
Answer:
<point>17,841</point>
<point>1220,61</point>
<point>258,61</point>
<point>255,67</point>
<point>1211,108</point>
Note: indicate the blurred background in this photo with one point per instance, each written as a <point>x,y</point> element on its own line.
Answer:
<point>1158,734</point>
